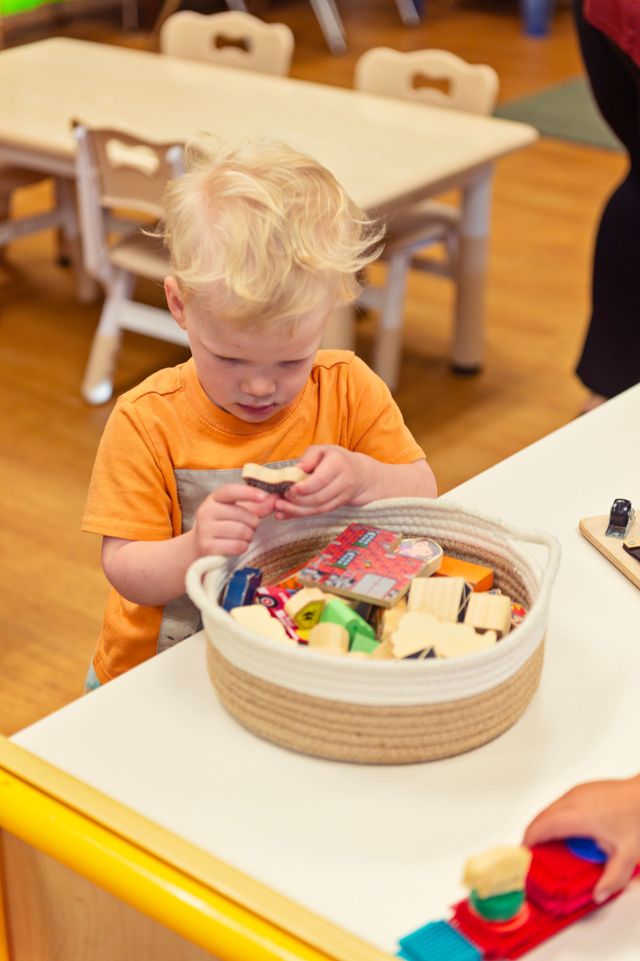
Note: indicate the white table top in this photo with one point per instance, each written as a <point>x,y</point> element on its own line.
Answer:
<point>380,149</point>
<point>380,850</point>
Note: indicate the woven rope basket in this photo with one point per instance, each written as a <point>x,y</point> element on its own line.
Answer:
<point>377,711</point>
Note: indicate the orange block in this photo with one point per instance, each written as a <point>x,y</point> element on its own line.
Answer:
<point>480,578</point>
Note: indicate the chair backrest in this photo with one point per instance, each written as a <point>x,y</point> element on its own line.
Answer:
<point>412,76</point>
<point>231,38</point>
<point>115,169</point>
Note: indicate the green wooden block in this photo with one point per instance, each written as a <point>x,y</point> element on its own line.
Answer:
<point>338,612</point>
<point>363,642</point>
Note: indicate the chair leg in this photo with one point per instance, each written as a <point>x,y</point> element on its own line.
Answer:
<point>330,22</point>
<point>5,213</point>
<point>129,15</point>
<point>97,385</point>
<point>70,243</point>
<point>409,13</point>
<point>388,345</point>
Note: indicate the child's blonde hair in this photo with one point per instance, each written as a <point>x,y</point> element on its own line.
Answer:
<point>264,234</point>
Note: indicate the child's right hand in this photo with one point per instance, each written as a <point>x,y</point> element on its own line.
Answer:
<point>227,519</point>
<point>608,812</point>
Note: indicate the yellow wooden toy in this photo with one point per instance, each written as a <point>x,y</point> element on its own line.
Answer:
<point>305,607</point>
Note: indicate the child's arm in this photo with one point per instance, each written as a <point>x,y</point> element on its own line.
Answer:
<point>608,812</point>
<point>340,476</point>
<point>153,572</point>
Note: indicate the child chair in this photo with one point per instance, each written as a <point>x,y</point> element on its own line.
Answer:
<point>231,38</point>
<point>117,171</point>
<point>470,87</point>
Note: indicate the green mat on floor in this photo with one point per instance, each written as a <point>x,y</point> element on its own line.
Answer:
<point>566,111</point>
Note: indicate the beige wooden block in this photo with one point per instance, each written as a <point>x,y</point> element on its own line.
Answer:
<point>256,617</point>
<point>330,637</point>
<point>391,618</point>
<point>489,612</point>
<point>384,650</point>
<point>497,871</point>
<point>413,633</point>
<point>274,480</point>
<point>442,596</point>
<point>305,607</point>
<point>460,640</point>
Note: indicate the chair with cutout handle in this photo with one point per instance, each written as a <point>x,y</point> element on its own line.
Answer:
<point>418,76</point>
<point>231,38</point>
<point>117,171</point>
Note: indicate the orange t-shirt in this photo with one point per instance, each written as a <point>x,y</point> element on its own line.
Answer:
<point>166,446</point>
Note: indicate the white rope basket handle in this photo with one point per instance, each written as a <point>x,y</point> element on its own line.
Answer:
<point>215,563</point>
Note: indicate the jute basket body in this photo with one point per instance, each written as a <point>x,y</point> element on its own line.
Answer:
<point>370,711</point>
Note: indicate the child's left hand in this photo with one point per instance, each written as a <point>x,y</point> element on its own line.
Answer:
<point>337,478</point>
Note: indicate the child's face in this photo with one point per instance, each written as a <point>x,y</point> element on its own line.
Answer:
<point>251,374</point>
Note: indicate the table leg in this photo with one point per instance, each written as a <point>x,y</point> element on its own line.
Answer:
<point>467,351</point>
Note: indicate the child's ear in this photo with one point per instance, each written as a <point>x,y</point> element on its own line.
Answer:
<point>175,301</point>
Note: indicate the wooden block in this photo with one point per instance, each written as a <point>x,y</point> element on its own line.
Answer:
<point>305,607</point>
<point>360,563</point>
<point>489,612</point>
<point>480,578</point>
<point>391,618</point>
<point>460,640</point>
<point>445,598</point>
<point>337,611</point>
<point>363,643</point>
<point>413,634</point>
<point>497,871</point>
<point>255,617</point>
<point>593,528</point>
<point>273,480</point>
<point>384,651</point>
<point>329,636</point>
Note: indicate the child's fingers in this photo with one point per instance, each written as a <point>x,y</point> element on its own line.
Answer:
<point>323,485</point>
<point>559,820</point>
<point>616,874</point>
<point>287,509</point>
<point>311,458</point>
<point>235,493</point>
<point>260,509</point>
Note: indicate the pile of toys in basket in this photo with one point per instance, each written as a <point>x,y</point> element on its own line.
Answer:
<point>372,593</point>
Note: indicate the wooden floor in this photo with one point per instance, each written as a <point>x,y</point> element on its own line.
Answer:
<point>546,203</point>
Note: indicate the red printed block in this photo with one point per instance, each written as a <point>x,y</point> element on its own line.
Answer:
<point>360,563</point>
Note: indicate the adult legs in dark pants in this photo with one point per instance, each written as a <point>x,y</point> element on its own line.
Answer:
<point>610,360</point>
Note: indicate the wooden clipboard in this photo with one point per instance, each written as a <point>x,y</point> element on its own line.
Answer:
<point>593,528</point>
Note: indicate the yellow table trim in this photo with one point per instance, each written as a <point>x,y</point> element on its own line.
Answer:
<point>4,938</point>
<point>196,895</point>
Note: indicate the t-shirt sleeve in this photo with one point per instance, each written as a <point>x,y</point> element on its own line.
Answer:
<point>376,426</point>
<point>128,493</point>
